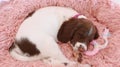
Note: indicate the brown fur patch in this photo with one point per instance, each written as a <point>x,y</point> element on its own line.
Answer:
<point>27,47</point>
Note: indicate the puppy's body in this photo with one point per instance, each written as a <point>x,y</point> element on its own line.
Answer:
<point>38,34</point>
<point>41,30</point>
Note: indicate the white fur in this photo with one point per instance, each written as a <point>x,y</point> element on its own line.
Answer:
<point>82,16</point>
<point>42,29</point>
<point>78,44</point>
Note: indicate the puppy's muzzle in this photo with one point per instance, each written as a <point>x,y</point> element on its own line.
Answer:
<point>78,45</point>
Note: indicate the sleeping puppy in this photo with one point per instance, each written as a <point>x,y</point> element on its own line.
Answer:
<point>36,38</point>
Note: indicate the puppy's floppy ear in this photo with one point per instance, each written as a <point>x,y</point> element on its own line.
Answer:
<point>67,30</point>
<point>96,33</point>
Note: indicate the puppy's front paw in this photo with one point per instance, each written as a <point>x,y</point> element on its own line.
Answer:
<point>77,57</point>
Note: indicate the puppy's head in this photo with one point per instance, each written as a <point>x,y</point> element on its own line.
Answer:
<point>79,31</point>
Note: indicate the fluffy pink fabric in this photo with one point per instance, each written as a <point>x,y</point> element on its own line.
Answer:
<point>102,12</point>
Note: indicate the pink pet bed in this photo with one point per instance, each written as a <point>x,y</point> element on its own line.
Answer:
<point>103,13</point>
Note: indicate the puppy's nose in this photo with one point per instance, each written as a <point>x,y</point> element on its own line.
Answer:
<point>81,49</point>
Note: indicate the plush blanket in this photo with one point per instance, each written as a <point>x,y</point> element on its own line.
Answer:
<point>103,13</point>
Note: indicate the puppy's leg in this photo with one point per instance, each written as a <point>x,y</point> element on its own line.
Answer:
<point>53,62</point>
<point>54,52</point>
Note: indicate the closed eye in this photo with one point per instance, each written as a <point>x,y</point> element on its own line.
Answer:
<point>81,35</point>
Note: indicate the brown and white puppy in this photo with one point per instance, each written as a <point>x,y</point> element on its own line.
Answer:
<point>79,32</point>
<point>36,38</point>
